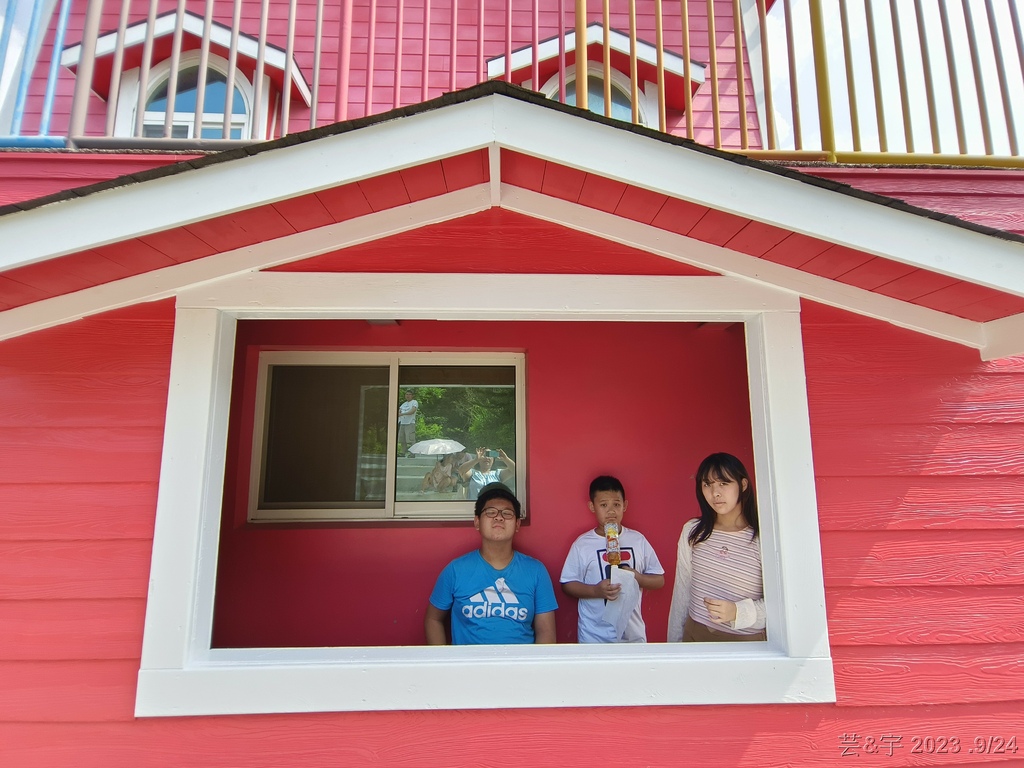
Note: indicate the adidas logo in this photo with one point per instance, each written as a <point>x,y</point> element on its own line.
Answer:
<point>499,601</point>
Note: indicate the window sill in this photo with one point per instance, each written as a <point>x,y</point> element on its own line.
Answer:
<point>415,678</point>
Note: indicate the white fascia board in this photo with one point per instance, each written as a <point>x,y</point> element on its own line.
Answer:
<point>123,213</point>
<point>162,283</point>
<point>549,49</point>
<point>1003,338</point>
<point>127,212</point>
<point>398,296</point>
<point>718,259</point>
<point>743,190</point>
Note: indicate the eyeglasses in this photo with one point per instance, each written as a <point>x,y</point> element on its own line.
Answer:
<point>494,512</point>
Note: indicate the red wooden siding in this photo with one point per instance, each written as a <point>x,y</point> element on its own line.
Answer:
<point>28,175</point>
<point>991,197</point>
<point>923,570</point>
<point>538,248</point>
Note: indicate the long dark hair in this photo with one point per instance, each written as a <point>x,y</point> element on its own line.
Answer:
<point>722,466</point>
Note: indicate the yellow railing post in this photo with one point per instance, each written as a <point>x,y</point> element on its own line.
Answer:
<point>582,79</point>
<point>825,124</point>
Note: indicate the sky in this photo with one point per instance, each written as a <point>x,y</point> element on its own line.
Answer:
<point>1010,62</point>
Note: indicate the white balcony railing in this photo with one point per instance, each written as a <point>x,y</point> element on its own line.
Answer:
<point>855,80</point>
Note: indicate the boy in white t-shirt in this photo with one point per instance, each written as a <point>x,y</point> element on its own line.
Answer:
<point>587,574</point>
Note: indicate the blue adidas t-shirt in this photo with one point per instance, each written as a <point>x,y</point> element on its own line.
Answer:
<point>492,607</point>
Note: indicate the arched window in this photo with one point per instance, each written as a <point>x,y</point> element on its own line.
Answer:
<point>246,120</point>
<point>184,118</point>
<point>621,108</point>
<point>621,99</point>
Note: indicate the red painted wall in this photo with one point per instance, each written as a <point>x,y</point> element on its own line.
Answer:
<point>988,196</point>
<point>597,394</point>
<point>919,475</point>
<point>28,175</point>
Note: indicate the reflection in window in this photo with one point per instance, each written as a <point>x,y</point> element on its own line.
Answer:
<point>183,126</point>
<point>621,109</point>
<point>459,409</point>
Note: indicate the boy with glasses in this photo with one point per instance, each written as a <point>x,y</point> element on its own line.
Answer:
<point>493,595</point>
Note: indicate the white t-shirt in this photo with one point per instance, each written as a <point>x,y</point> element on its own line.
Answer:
<point>478,479</point>
<point>586,564</point>
<point>404,415</point>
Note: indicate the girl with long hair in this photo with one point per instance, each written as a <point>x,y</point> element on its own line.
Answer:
<point>718,593</point>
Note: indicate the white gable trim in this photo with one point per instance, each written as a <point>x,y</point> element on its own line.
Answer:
<point>181,675</point>
<point>163,283</point>
<point>707,179</point>
<point>1003,338</point>
<point>618,42</point>
<point>699,177</point>
<point>123,213</point>
<point>220,35</point>
<point>734,263</point>
<point>496,122</point>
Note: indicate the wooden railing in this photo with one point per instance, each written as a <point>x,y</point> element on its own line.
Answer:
<point>879,81</point>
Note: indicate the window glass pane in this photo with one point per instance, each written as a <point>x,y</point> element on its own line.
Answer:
<point>458,409</point>
<point>188,85</point>
<point>156,131</point>
<point>217,132</point>
<point>326,437</point>
<point>621,109</point>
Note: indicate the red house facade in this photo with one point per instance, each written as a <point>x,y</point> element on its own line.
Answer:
<point>862,354</point>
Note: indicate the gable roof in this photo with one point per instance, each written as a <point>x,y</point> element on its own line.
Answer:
<point>149,235</point>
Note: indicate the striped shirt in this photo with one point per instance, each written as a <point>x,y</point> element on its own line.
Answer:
<point>726,566</point>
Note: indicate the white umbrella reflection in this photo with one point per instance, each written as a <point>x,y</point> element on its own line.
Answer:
<point>437,446</point>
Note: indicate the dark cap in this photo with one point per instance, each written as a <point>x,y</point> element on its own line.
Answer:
<point>496,491</point>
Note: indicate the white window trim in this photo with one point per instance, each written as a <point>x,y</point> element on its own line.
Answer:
<point>128,95</point>
<point>192,24</point>
<point>619,81</point>
<point>181,675</point>
<point>393,509</point>
<point>617,41</point>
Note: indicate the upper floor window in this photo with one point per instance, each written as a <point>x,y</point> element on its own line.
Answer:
<point>281,79</point>
<point>621,103</point>
<point>519,69</point>
<point>186,124</point>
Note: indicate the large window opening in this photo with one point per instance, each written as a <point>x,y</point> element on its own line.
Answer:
<point>213,570</point>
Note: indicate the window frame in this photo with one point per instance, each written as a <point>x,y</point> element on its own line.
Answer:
<point>394,509</point>
<point>180,674</point>
<point>620,82</point>
<point>128,99</point>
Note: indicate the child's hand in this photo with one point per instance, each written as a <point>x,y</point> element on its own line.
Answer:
<point>607,590</point>
<point>722,611</point>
